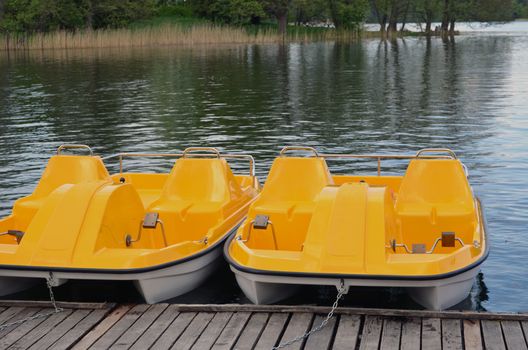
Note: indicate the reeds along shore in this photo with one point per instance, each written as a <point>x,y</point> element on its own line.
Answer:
<point>163,35</point>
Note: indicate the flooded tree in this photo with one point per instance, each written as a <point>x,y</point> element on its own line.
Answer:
<point>348,14</point>
<point>279,9</point>
<point>426,11</point>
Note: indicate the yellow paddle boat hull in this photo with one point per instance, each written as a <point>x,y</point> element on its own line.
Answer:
<point>164,231</point>
<point>423,231</point>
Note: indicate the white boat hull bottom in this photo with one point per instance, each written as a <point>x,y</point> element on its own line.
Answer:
<point>155,286</point>
<point>434,294</point>
<point>11,285</point>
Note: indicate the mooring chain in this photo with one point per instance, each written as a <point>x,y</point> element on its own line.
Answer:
<point>49,283</point>
<point>340,292</point>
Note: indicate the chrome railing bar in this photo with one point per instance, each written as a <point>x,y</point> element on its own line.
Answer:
<point>74,146</point>
<point>298,148</point>
<point>173,155</point>
<point>378,156</point>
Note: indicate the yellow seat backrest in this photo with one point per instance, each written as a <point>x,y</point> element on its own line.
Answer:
<point>296,179</point>
<point>70,170</point>
<point>435,182</point>
<point>200,180</point>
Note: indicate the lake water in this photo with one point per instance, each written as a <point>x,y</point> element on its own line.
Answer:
<point>470,95</point>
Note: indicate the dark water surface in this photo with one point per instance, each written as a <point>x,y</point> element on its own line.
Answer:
<point>470,95</point>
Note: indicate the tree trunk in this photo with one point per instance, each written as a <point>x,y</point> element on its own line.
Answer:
<point>282,18</point>
<point>428,27</point>
<point>445,16</point>
<point>452,26</point>
<point>89,16</point>
<point>2,10</point>
<point>393,18</point>
<point>405,14</point>
<point>383,25</point>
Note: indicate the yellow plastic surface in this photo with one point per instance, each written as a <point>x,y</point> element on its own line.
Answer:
<point>347,224</point>
<point>78,216</point>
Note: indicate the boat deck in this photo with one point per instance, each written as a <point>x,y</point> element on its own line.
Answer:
<point>165,326</point>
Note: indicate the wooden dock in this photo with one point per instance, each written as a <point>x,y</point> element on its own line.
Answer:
<point>176,326</point>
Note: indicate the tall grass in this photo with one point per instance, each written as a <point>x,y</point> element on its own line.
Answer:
<point>163,35</point>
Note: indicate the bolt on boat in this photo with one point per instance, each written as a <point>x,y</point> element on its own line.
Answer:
<point>163,231</point>
<point>423,231</point>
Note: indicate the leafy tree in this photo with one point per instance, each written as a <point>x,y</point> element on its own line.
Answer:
<point>426,11</point>
<point>348,14</point>
<point>235,11</point>
<point>278,9</point>
<point>46,15</point>
<point>306,11</point>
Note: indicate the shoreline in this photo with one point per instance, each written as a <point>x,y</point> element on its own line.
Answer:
<point>178,35</point>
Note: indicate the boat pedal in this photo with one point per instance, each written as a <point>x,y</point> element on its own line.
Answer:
<point>261,222</point>
<point>150,220</point>
<point>448,239</point>
<point>418,248</point>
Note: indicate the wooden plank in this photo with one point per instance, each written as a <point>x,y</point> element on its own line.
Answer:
<point>212,331</point>
<point>102,327</point>
<point>474,315</point>
<point>121,326</point>
<point>524,326</point>
<point>492,334</point>
<point>371,335</point>
<point>322,339</point>
<point>513,335</point>
<point>347,332</point>
<point>80,329</point>
<point>174,331</point>
<point>22,314</point>
<point>299,324</point>
<point>193,331</point>
<point>132,334</point>
<point>41,330</point>
<point>411,334</point>
<point>272,332</point>
<point>8,313</point>
<point>62,304</point>
<point>472,337</point>
<point>156,329</point>
<point>60,330</point>
<point>451,335</point>
<point>252,331</point>
<point>22,329</point>
<point>231,332</point>
<point>390,337</point>
<point>431,334</point>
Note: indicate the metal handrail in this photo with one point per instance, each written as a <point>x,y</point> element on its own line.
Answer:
<point>207,149</point>
<point>72,146</point>
<point>436,150</point>
<point>298,148</point>
<point>121,156</point>
<point>380,157</point>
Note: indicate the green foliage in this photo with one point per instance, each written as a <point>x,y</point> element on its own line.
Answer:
<point>520,9</point>
<point>235,11</point>
<point>47,15</point>
<point>229,11</point>
<point>348,14</point>
<point>27,16</point>
<point>175,9</point>
<point>306,11</point>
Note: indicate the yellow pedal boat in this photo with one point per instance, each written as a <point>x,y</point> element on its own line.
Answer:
<point>164,231</point>
<point>423,231</point>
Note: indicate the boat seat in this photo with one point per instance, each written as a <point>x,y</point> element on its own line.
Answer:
<point>198,194</point>
<point>435,195</point>
<point>60,170</point>
<point>288,199</point>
